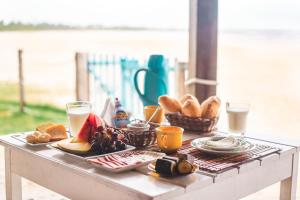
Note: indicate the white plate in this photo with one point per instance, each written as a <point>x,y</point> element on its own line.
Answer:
<point>241,144</point>
<point>198,144</point>
<point>128,148</point>
<point>22,137</point>
<point>124,161</point>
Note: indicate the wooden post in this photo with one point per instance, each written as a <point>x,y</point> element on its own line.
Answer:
<point>82,77</point>
<point>180,78</point>
<point>203,46</point>
<point>21,80</point>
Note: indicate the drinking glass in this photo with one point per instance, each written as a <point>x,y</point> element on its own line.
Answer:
<point>237,113</point>
<point>77,112</point>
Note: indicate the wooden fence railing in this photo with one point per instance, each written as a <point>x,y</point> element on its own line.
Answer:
<point>100,76</point>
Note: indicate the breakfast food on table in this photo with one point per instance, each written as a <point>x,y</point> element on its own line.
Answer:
<point>169,104</point>
<point>106,141</point>
<point>170,166</point>
<point>185,164</point>
<point>43,138</point>
<point>31,138</point>
<point>166,166</point>
<point>44,126</point>
<point>89,128</point>
<point>47,132</point>
<point>188,97</point>
<point>211,107</point>
<point>194,115</point>
<point>69,145</point>
<point>124,161</point>
<point>38,137</point>
<point>57,132</point>
<point>190,106</point>
<point>94,137</point>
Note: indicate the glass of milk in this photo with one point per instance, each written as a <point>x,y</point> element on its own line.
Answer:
<point>77,112</point>
<point>237,117</point>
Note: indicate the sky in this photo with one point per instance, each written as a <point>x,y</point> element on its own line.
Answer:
<point>233,14</point>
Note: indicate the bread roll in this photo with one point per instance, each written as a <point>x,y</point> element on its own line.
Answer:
<point>43,138</point>
<point>187,97</point>
<point>31,139</point>
<point>210,107</point>
<point>192,108</point>
<point>170,105</point>
<point>37,133</point>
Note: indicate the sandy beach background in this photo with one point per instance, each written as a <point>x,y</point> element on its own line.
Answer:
<point>261,68</point>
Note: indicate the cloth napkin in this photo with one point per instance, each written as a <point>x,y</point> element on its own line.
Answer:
<point>225,143</point>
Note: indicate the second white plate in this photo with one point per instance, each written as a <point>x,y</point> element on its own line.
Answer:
<point>198,144</point>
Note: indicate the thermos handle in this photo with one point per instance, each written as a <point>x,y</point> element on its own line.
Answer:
<point>135,79</point>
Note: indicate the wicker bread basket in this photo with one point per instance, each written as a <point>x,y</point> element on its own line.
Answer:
<point>141,138</point>
<point>192,124</point>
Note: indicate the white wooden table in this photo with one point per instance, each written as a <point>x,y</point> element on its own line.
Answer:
<point>79,180</point>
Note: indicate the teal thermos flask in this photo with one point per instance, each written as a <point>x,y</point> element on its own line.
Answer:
<point>155,81</point>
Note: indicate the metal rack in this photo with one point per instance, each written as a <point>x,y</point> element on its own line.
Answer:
<point>215,164</point>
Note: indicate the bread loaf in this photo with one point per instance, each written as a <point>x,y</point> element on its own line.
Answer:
<point>42,127</point>
<point>187,97</point>
<point>192,108</point>
<point>57,132</point>
<point>210,107</point>
<point>170,105</point>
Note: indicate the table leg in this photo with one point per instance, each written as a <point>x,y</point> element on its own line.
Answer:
<point>288,186</point>
<point>13,182</point>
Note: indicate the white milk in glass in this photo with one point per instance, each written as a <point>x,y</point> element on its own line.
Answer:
<point>77,117</point>
<point>237,119</point>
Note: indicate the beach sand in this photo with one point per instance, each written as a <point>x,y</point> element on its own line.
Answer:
<point>259,68</point>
